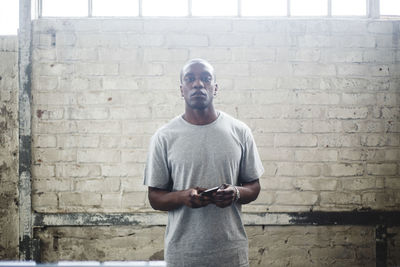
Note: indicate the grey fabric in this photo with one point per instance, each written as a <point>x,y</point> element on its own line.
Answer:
<point>183,155</point>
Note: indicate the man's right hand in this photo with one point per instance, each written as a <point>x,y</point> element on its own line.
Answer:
<point>193,199</point>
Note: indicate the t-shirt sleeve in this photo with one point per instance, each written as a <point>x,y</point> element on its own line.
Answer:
<point>156,173</point>
<point>251,167</point>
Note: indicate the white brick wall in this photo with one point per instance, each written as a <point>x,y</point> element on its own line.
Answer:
<point>321,96</point>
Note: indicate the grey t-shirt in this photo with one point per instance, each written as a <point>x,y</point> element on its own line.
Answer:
<point>182,156</point>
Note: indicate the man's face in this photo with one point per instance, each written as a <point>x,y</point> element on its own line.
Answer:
<point>198,85</point>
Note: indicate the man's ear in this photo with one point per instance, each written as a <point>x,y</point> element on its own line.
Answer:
<point>215,89</point>
<point>181,90</point>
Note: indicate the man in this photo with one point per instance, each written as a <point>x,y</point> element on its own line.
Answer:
<point>201,149</point>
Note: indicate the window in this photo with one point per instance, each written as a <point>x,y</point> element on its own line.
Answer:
<point>390,7</point>
<point>118,8</point>
<point>165,7</point>
<point>264,8</point>
<point>349,8</point>
<point>214,8</point>
<point>64,8</point>
<point>8,17</point>
<point>309,7</point>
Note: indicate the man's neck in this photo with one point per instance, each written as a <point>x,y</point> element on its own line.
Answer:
<point>200,117</point>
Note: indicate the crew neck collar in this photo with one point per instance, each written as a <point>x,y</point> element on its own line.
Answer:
<point>219,115</point>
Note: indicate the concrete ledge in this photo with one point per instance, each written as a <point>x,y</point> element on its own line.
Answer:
<point>387,218</point>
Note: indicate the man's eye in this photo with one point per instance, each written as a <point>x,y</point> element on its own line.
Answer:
<point>206,79</point>
<point>189,79</point>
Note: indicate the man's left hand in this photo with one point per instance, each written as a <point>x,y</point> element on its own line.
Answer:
<point>225,196</point>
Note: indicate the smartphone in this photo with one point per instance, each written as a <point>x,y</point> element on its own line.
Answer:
<point>210,191</point>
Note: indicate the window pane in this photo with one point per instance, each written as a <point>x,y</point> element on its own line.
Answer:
<point>264,7</point>
<point>115,8</point>
<point>214,8</point>
<point>390,7</point>
<point>65,8</point>
<point>309,7</point>
<point>8,17</point>
<point>165,8</point>
<point>349,8</point>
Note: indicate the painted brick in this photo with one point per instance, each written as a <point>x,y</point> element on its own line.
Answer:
<point>99,156</point>
<point>41,185</point>
<point>122,170</point>
<point>354,184</point>
<point>339,198</point>
<point>299,169</point>
<point>97,185</point>
<point>382,169</point>
<point>315,184</point>
<point>348,113</point>
<point>187,40</point>
<point>97,69</point>
<point>77,170</point>
<point>296,198</point>
<point>77,141</point>
<point>67,199</point>
<point>295,140</point>
<point>133,199</point>
<point>343,169</point>
<point>316,155</point>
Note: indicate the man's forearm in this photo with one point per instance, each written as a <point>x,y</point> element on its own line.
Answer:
<point>165,200</point>
<point>248,192</point>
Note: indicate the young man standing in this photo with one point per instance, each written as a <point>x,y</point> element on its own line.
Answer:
<point>202,149</point>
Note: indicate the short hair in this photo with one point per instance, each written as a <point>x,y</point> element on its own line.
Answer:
<point>197,61</point>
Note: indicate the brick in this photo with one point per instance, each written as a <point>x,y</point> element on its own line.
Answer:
<point>295,140</point>
<point>119,54</point>
<point>134,156</point>
<point>352,154</point>
<point>350,27</point>
<point>339,198</point>
<point>55,127</point>
<point>272,40</point>
<point>348,113</point>
<point>315,184</point>
<point>275,154</point>
<point>133,184</point>
<point>384,27</point>
<point>393,183</point>
<point>81,84</point>
<point>260,112</point>
<point>111,200</point>
<point>133,199</point>
<point>138,112</point>
<point>303,112</point>
<point>77,54</point>
<point>265,198</point>
<point>316,155</point>
<point>186,40</point>
<point>388,99</point>
<point>49,155</point>
<point>253,54</point>
<point>140,69</point>
<point>85,199</point>
<point>125,25</point>
<point>298,169</point>
<point>41,185</point>
<point>232,39</point>
<point>381,140</point>
<point>165,54</point>
<point>298,55</point>
<point>340,55</point>
<point>235,70</point>
<point>201,25</point>
<point>273,69</point>
<point>54,69</point>
<point>296,198</point>
<point>98,98</point>
<point>44,200</point>
<point>379,56</point>
<point>316,98</point>
<point>78,170</point>
<point>41,170</point>
<point>91,40</point>
<point>44,54</point>
<point>97,185</point>
<point>359,99</point>
<point>97,127</point>
<point>54,98</point>
<point>213,54</point>
<point>98,156</point>
<point>320,126</point>
<point>97,69</point>
<point>85,113</point>
<point>391,113</point>
<point>343,169</point>
<point>351,126</point>
<point>47,83</point>
<point>123,170</point>
<point>382,169</point>
<point>357,184</point>
<point>136,141</point>
<point>44,141</point>
<point>274,126</point>
<point>77,141</point>
<point>299,83</point>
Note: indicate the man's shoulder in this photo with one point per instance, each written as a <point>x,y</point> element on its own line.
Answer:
<point>235,123</point>
<point>169,127</point>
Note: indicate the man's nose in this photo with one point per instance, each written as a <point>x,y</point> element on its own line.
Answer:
<point>198,83</point>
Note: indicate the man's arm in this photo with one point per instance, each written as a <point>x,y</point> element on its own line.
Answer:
<point>165,200</point>
<point>248,192</point>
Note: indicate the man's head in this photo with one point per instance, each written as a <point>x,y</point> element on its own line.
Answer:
<point>198,84</point>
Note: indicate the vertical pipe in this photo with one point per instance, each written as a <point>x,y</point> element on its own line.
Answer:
<point>239,3</point>
<point>288,8</point>
<point>329,8</point>
<point>373,9</point>
<point>190,8</point>
<point>24,113</point>
<point>140,8</point>
<point>90,8</point>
